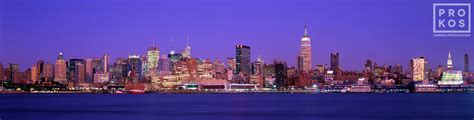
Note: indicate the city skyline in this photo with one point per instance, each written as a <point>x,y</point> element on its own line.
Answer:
<point>135,34</point>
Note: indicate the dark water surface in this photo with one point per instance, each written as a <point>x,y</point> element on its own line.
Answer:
<point>236,106</point>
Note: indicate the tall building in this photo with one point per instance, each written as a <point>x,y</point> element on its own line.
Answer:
<point>257,66</point>
<point>419,68</point>
<point>135,67</point>
<point>466,63</point>
<point>14,75</point>
<point>164,65</point>
<point>304,58</point>
<point>335,67</point>
<point>243,59</point>
<point>105,63</point>
<point>280,73</point>
<point>34,74</point>
<point>450,62</point>
<point>79,73</point>
<point>89,70</point>
<point>61,69</point>
<point>232,65</point>
<point>48,72</point>
<point>187,50</point>
<point>72,69</point>
<point>40,67</point>
<point>153,55</point>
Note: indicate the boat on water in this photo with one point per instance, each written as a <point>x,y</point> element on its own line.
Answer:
<point>135,91</point>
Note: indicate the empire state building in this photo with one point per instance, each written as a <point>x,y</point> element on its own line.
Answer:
<point>304,58</point>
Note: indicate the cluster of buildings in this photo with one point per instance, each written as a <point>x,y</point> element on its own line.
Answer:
<point>178,71</point>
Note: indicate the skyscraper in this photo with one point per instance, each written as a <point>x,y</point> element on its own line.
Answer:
<point>232,65</point>
<point>89,70</point>
<point>105,63</point>
<point>135,67</point>
<point>48,72</point>
<point>466,63</point>
<point>153,57</point>
<point>14,75</point>
<point>419,67</point>
<point>257,66</point>
<point>304,58</point>
<point>450,62</point>
<point>40,67</point>
<point>79,73</point>
<point>34,74</point>
<point>187,50</point>
<point>243,59</point>
<point>164,66</point>
<point>335,62</point>
<point>280,73</point>
<point>61,69</point>
<point>72,69</point>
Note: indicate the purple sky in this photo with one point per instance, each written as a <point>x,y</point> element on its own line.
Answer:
<point>386,31</point>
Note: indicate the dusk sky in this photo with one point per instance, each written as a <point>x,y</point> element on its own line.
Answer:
<point>385,31</point>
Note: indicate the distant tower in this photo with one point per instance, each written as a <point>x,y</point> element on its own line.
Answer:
<point>187,50</point>
<point>419,67</point>
<point>304,58</point>
<point>243,59</point>
<point>105,63</point>
<point>335,62</point>
<point>335,65</point>
<point>450,62</point>
<point>466,63</point>
<point>60,70</point>
<point>153,57</point>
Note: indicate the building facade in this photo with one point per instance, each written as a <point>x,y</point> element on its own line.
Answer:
<point>304,58</point>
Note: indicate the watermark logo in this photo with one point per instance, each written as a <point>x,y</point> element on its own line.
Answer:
<point>452,19</point>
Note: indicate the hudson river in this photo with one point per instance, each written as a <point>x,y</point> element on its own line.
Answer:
<point>437,106</point>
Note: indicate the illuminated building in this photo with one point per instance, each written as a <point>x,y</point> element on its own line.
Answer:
<point>243,64</point>
<point>14,75</point>
<point>320,68</point>
<point>164,66</point>
<point>101,78</point>
<point>335,65</point>
<point>34,76</point>
<point>105,63</point>
<point>419,67</point>
<point>40,67</point>
<point>48,71</point>
<point>135,67</point>
<point>439,72</point>
<point>79,73</point>
<point>72,68</point>
<point>219,69</point>
<point>257,66</point>
<point>153,57</point>
<point>232,65</point>
<point>187,50</point>
<point>89,70</point>
<point>450,62</point>
<point>304,58</point>
<point>451,77</point>
<point>118,70</point>
<point>205,69</point>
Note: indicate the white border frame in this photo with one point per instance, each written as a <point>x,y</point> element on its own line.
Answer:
<point>451,4</point>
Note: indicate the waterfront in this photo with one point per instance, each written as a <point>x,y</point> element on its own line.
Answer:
<point>430,106</point>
